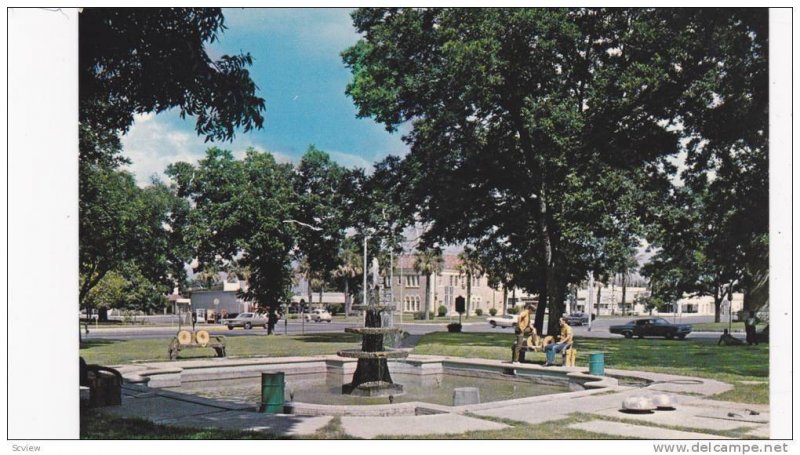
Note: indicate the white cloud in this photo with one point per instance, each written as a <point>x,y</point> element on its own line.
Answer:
<point>152,144</point>
<point>350,160</point>
<point>325,31</point>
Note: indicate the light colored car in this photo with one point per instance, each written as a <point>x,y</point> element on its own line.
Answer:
<point>247,321</point>
<point>506,320</point>
<point>319,315</point>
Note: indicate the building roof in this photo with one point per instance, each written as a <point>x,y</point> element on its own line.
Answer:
<point>451,261</point>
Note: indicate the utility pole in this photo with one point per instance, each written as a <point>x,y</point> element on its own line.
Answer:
<point>589,294</point>
<point>364,290</point>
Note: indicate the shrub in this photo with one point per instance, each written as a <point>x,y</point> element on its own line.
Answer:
<point>492,311</point>
<point>454,327</point>
<point>442,311</point>
<point>478,312</point>
<point>335,308</point>
<point>512,310</point>
<point>420,315</point>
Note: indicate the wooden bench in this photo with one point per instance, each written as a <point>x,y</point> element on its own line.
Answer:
<point>104,385</point>
<point>180,342</point>
<point>567,355</point>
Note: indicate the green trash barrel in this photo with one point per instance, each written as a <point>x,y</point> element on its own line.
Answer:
<point>272,386</point>
<point>597,363</point>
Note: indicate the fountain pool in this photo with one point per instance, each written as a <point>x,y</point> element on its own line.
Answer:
<point>326,388</point>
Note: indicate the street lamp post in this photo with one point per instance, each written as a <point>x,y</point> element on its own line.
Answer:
<point>302,307</point>
<point>364,290</point>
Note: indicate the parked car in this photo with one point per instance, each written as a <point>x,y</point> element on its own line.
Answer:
<point>577,319</point>
<point>652,327</point>
<point>506,320</point>
<point>247,321</point>
<point>319,315</point>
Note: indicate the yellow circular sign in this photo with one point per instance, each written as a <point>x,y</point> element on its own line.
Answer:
<point>202,337</point>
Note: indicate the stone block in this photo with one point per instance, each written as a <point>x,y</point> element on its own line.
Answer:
<point>466,395</point>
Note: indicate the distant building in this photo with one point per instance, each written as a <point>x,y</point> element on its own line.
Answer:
<point>409,288</point>
<point>611,303</point>
<point>222,299</point>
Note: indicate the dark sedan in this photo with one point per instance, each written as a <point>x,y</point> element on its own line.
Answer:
<point>652,327</point>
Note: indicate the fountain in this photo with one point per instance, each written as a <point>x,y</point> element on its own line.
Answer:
<point>372,377</point>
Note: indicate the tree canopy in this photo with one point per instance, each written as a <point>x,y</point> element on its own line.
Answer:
<point>240,209</point>
<point>140,60</point>
<point>549,131</point>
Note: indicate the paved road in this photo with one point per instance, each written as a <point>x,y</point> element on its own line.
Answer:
<point>599,329</point>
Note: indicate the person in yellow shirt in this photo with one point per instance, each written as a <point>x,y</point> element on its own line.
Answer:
<point>564,341</point>
<point>523,330</point>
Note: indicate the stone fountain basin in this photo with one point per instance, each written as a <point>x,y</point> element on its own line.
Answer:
<point>373,330</point>
<point>386,354</point>
<point>192,375</point>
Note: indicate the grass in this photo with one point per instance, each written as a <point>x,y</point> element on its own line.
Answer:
<point>117,352</point>
<point>720,326</point>
<point>97,425</point>
<point>702,358</point>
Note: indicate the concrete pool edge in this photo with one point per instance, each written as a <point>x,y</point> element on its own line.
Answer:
<point>172,374</point>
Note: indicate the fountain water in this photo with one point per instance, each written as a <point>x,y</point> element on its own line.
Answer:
<point>372,377</point>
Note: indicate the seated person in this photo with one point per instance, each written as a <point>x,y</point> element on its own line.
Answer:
<point>534,342</point>
<point>564,342</point>
<point>729,340</point>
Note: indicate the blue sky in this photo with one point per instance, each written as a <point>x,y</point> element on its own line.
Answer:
<point>300,74</point>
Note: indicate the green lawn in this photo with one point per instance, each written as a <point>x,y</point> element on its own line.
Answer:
<point>720,326</point>
<point>97,425</point>
<point>703,358</point>
<point>116,352</point>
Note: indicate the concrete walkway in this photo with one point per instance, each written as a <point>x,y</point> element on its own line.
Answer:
<point>695,416</point>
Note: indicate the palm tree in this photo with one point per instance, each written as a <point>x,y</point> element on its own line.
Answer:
<point>208,276</point>
<point>348,268</point>
<point>304,270</point>
<point>428,262</point>
<point>469,267</point>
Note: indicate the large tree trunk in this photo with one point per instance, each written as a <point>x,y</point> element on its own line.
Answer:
<point>310,292</point>
<point>624,288</point>
<point>504,306</point>
<point>555,302</point>
<point>717,304</point>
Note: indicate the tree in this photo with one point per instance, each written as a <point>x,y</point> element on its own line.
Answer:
<point>109,292</point>
<point>139,60</point>
<point>469,266</point>
<point>348,270</point>
<point>239,211</point>
<point>134,61</point>
<point>428,262</point>
<point>123,226</point>
<point>548,128</point>
<point>319,214</point>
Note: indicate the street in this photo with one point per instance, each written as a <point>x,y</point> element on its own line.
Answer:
<point>599,328</point>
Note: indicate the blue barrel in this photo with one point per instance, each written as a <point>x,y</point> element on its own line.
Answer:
<point>597,363</point>
<point>272,387</point>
